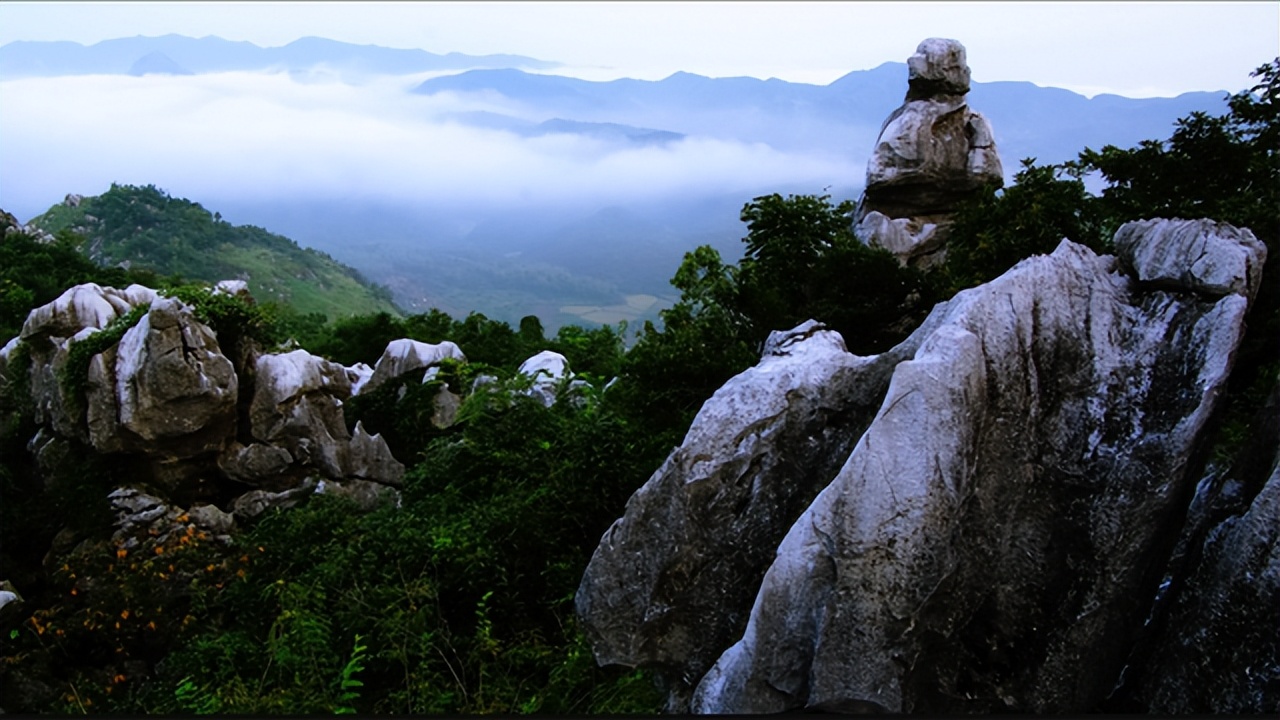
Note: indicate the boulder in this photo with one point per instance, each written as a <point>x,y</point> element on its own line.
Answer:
<point>990,540</point>
<point>1226,259</point>
<point>932,153</point>
<point>369,458</point>
<point>405,355</point>
<point>296,406</point>
<point>211,518</point>
<point>445,408</point>
<point>235,288</point>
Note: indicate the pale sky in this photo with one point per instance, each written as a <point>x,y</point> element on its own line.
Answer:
<point>1138,49</point>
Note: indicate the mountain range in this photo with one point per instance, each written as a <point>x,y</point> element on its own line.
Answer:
<point>180,55</point>
<point>571,257</point>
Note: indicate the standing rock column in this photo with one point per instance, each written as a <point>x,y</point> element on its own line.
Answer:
<point>932,153</point>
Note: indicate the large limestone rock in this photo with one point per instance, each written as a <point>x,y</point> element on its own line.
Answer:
<point>672,580</point>
<point>48,333</point>
<point>172,380</point>
<point>1216,648</point>
<point>932,153</point>
<point>993,538</point>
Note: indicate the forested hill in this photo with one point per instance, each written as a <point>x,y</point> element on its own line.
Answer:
<point>143,227</point>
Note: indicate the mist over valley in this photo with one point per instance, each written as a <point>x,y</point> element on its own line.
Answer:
<point>479,183</point>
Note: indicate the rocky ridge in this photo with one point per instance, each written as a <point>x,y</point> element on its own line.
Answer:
<point>974,521</point>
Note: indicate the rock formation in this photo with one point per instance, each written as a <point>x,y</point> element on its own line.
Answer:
<point>547,369</point>
<point>405,355</point>
<point>975,521</point>
<point>932,152</point>
<point>196,424</point>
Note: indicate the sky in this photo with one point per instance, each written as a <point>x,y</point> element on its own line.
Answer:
<point>1136,49</point>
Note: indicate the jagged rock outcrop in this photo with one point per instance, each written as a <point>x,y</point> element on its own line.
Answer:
<point>993,538</point>
<point>710,518</point>
<point>932,153</point>
<point>297,406</point>
<point>1221,654</point>
<point>162,395</point>
<point>405,355</point>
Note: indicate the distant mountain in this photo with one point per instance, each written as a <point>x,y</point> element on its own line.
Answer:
<point>842,117</point>
<point>144,227</point>
<point>612,132</point>
<point>157,63</point>
<point>213,54</point>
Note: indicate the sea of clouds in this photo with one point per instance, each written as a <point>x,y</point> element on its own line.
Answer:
<point>263,137</point>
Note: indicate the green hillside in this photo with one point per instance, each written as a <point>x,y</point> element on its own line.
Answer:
<point>143,227</point>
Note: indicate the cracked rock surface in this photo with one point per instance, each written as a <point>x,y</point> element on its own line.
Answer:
<point>975,521</point>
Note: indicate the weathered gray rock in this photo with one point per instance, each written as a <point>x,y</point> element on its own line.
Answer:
<point>84,306</point>
<point>255,463</point>
<point>297,406</point>
<point>992,540</point>
<point>932,153</point>
<point>547,369</point>
<point>445,407</point>
<point>938,67</point>
<point>358,375</point>
<point>1226,259</point>
<point>1216,650</point>
<point>405,355</point>
<point>368,458</point>
<point>136,510</point>
<point>172,380</point>
<point>234,288</point>
<point>256,502</point>
<point>212,518</point>
<point>986,544</point>
<point>671,583</point>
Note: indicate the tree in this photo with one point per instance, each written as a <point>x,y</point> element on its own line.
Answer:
<point>997,228</point>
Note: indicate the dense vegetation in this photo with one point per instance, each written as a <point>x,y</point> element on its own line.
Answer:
<point>460,598</point>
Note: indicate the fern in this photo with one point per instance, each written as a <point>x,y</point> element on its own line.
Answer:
<point>347,682</point>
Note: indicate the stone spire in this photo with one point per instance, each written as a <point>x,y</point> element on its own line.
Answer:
<point>932,153</point>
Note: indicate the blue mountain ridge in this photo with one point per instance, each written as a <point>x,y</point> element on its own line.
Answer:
<point>214,54</point>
